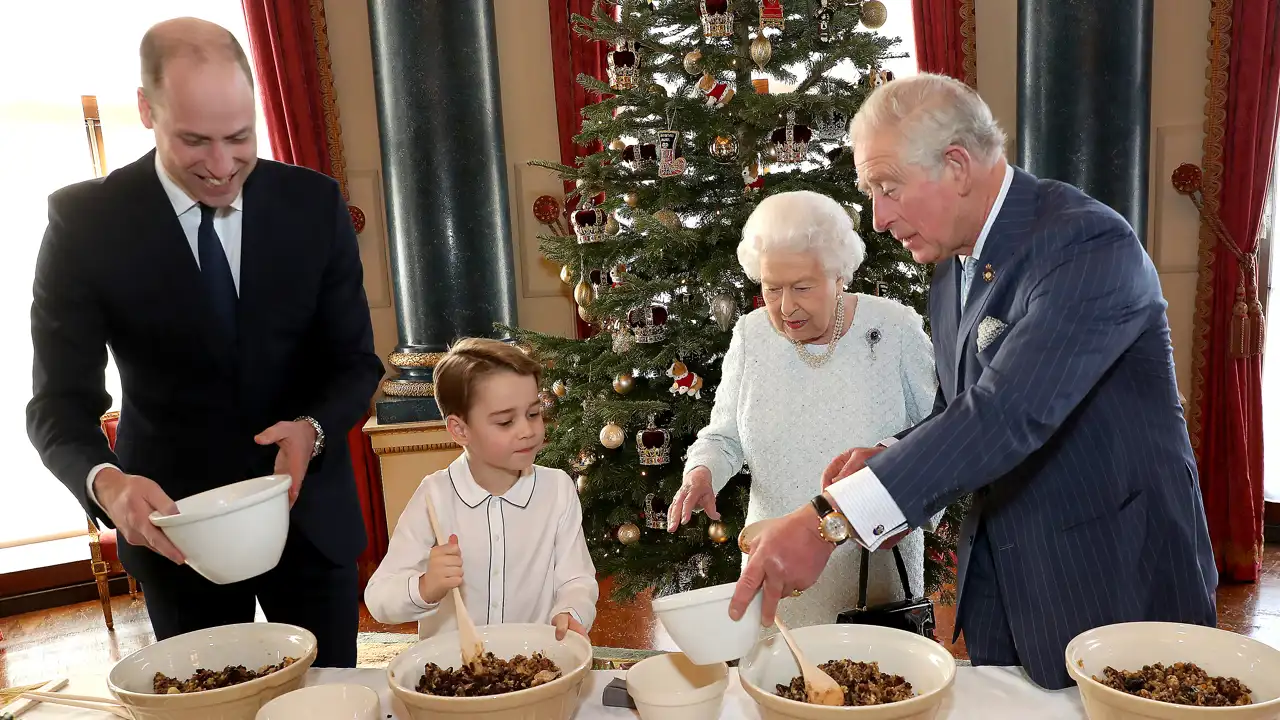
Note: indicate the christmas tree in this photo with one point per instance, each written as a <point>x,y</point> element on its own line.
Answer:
<point>690,140</point>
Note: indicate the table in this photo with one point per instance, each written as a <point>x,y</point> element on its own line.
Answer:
<point>985,693</point>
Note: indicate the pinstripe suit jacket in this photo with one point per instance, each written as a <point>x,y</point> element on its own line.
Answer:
<point>1066,427</point>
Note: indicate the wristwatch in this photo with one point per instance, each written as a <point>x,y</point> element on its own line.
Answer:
<point>319,446</point>
<point>833,526</point>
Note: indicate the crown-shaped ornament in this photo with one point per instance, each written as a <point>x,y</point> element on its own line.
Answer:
<point>588,223</point>
<point>717,18</point>
<point>653,444</point>
<point>624,65</point>
<point>833,125</point>
<point>791,143</point>
<point>648,324</point>
<point>655,513</point>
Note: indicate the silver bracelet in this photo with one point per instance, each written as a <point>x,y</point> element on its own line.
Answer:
<point>319,445</point>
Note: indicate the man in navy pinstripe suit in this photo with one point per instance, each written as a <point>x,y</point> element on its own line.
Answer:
<point>1056,405</point>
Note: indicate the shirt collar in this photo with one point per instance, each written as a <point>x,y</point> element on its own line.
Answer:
<point>472,494</point>
<point>179,198</point>
<point>995,211</point>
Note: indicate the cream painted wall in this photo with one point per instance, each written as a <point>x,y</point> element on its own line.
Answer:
<point>529,121</point>
<point>1178,64</point>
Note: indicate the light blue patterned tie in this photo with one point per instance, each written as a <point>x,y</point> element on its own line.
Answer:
<point>966,279</point>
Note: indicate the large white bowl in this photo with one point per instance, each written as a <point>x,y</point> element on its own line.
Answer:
<point>699,624</point>
<point>925,664</point>
<point>1129,646</point>
<point>250,644</point>
<point>671,687</point>
<point>324,702</point>
<point>232,533</point>
<point>556,700</point>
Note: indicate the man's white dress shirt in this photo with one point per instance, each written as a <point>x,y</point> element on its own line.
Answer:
<point>862,498</point>
<point>524,555</point>
<point>228,223</point>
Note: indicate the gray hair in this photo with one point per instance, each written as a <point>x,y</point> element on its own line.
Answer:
<point>931,112</point>
<point>802,221</point>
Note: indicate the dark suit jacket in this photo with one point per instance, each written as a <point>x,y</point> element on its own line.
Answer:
<point>1067,427</point>
<point>115,269</point>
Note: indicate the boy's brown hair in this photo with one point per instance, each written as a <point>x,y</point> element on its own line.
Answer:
<point>469,360</point>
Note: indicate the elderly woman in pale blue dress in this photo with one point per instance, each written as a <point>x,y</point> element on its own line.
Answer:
<point>815,371</point>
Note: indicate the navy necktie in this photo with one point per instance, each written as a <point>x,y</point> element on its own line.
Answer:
<point>216,272</point>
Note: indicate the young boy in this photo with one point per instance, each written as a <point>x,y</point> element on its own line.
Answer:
<point>514,544</point>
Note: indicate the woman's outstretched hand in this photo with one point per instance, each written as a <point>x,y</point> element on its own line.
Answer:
<point>695,493</point>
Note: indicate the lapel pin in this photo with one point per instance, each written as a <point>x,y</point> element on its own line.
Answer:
<point>988,273</point>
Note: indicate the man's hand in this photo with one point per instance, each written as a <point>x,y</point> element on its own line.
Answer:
<point>848,463</point>
<point>789,555</point>
<point>129,501</point>
<point>296,438</point>
<point>564,622</point>
<point>695,493</point>
<point>444,571</point>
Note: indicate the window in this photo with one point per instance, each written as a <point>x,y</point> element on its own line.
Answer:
<point>1270,360</point>
<point>44,146</point>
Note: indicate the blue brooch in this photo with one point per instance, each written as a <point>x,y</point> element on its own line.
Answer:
<point>873,338</point>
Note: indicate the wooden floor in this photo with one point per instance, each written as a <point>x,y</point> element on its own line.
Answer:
<point>73,640</point>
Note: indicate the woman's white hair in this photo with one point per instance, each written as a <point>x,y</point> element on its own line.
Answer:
<point>931,113</point>
<point>802,221</point>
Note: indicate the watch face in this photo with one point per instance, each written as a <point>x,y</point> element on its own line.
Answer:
<point>835,527</point>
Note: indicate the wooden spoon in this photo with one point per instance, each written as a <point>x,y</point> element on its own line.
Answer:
<point>468,637</point>
<point>821,688</point>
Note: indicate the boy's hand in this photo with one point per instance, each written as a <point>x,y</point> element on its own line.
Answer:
<point>565,622</point>
<point>444,571</point>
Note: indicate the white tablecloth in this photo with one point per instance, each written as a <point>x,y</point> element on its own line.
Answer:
<point>978,694</point>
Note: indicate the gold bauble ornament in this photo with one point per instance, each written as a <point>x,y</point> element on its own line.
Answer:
<point>612,436</point>
<point>624,383</point>
<point>611,225</point>
<point>656,89</point>
<point>724,149</point>
<point>693,62</point>
<point>761,51</point>
<point>718,532</point>
<point>566,275</point>
<point>585,314</point>
<point>618,145</point>
<point>581,482</point>
<point>584,293</point>
<point>874,14</point>
<point>667,217</point>
<point>628,534</point>
<point>632,198</point>
<point>559,388</point>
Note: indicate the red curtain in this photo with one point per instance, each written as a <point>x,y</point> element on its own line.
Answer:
<point>1230,442</point>
<point>283,41</point>
<point>945,38</point>
<point>572,55</point>
<point>290,47</point>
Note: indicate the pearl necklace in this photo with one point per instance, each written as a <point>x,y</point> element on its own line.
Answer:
<point>817,361</point>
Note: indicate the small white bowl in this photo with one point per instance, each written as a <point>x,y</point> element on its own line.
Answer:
<point>925,664</point>
<point>253,645</point>
<point>699,624</point>
<point>1129,646</point>
<point>556,700</point>
<point>234,532</point>
<point>671,687</point>
<point>324,702</point>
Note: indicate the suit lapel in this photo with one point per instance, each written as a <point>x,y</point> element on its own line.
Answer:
<point>173,259</point>
<point>944,296</point>
<point>1007,239</point>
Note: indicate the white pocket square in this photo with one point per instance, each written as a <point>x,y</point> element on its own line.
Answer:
<point>988,330</point>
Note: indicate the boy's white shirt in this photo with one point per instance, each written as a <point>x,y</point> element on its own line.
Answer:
<point>524,555</point>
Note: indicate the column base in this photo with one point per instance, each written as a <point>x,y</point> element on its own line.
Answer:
<point>390,410</point>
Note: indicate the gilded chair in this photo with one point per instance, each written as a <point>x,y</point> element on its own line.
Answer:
<point>103,546</point>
